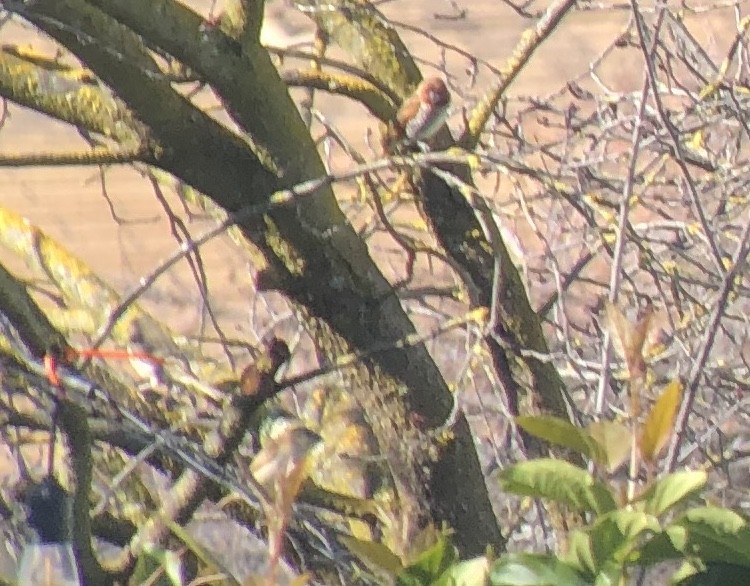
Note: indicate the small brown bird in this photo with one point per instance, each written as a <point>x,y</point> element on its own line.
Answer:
<point>146,339</point>
<point>159,361</point>
<point>424,112</point>
<point>257,379</point>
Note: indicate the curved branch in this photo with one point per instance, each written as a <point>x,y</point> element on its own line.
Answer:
<point>74,425</point>
<point>369,40</point>
<point>95,156</point>
<point>81,104</point>
<point>32,324</point>
<point>344,85</point>
<point>326,269</point>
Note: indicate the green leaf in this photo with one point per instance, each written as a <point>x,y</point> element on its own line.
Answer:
<point>580,555</point>
<point>562,433</point>
<point>608,542</point>
<point>558,481</point>
<point>469,573</point>
<point>672,489</point>
<point>712,534</point>
<point>374,555</point>
<point>524,569</point>
<point>614,535</point>
<point>719,575</point>
<point>614,439</point>
<point>660,422</point>
<point>430,566</point>
<point>610,575</point>
<point>656,550</point>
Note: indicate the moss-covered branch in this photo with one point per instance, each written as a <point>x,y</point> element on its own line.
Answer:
<point>344,85</point>
<point>81,104</point>
<point>320,263</point>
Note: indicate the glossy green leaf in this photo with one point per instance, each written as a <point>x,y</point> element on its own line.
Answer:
<point>672,489</point>
<point>533,570</point>
<point>559,432</point>
<point>712,534</point>
<point>614,535</point>
<point>469,573</point>
<point>375,555</point>
<point>558,481</point>
<point>430,566</point>
<point>614,439</point>
<point>580,555</point>
<point>715,534</point>
<point>608,542</point>
<point>718,575</point>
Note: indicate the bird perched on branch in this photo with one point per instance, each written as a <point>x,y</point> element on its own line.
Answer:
<point>420,116</point>
<point>146,340</point>
<point>160,362</point>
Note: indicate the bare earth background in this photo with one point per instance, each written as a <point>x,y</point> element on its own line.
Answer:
<point>126,237</point>
<point>69,205</point>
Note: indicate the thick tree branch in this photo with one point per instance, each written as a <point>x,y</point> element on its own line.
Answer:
<point>325,267</point>
<point>81,104</point>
